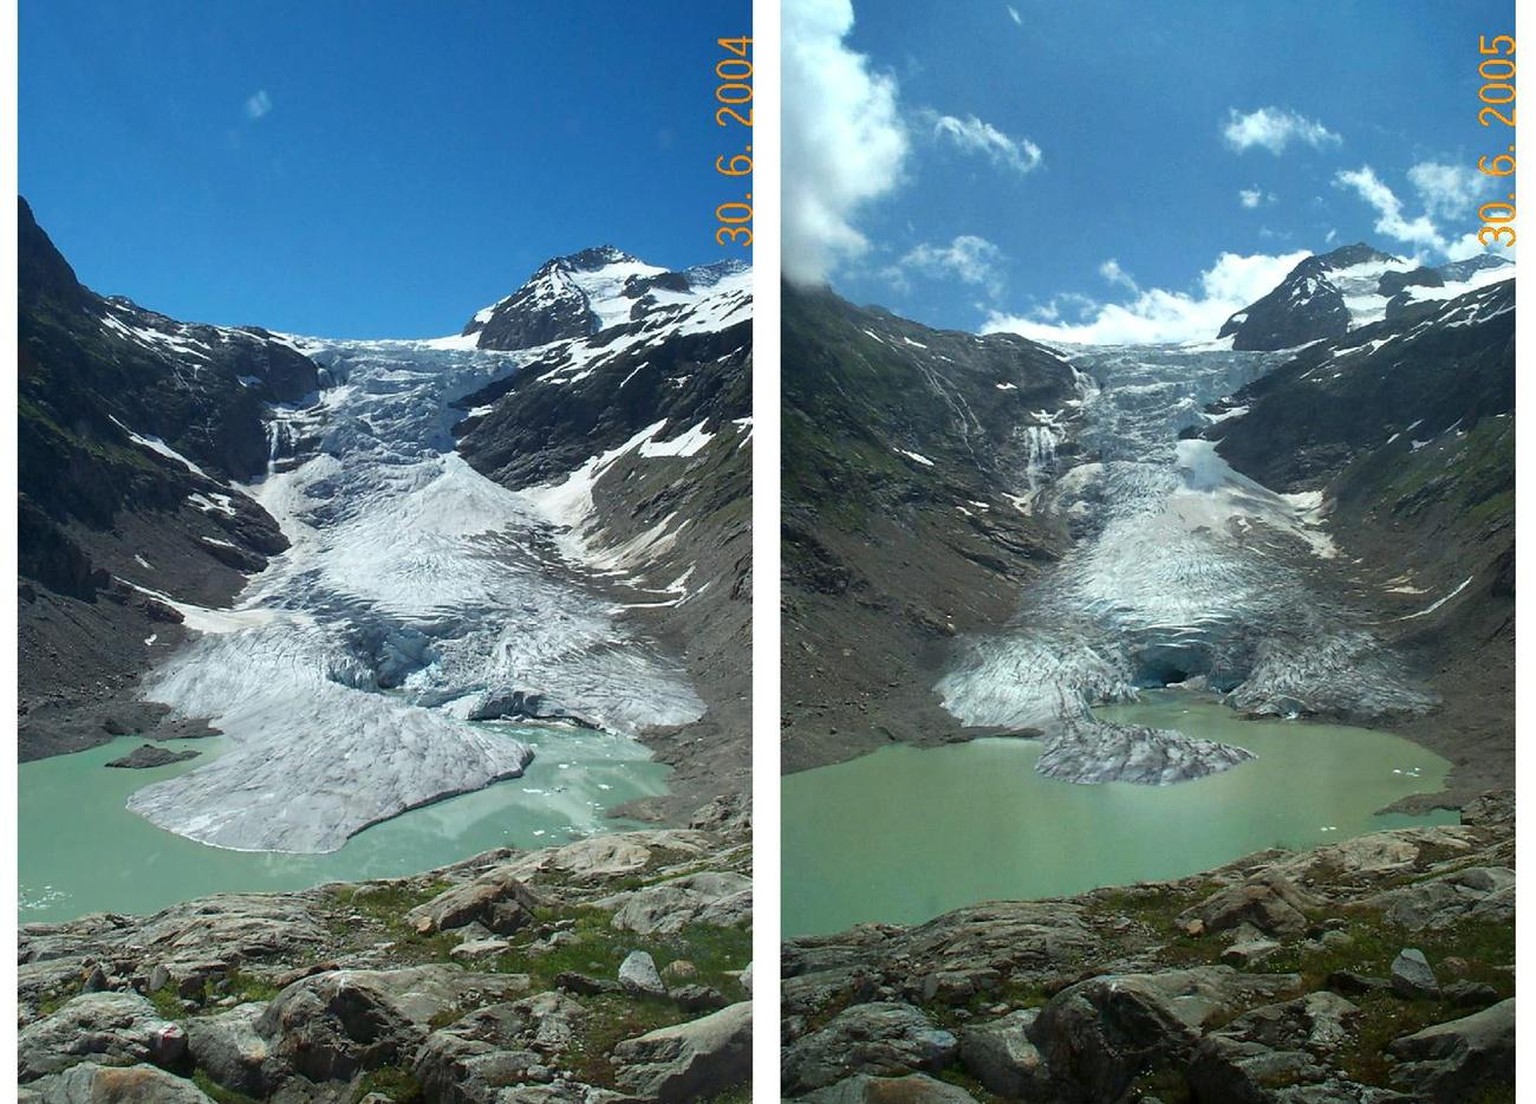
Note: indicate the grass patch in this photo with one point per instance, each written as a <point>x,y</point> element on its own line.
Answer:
<point>610,1019</point>
<point>217,1092</point>
<point>395,1082</point>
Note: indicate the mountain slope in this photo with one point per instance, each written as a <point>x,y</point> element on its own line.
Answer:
<point>632,429</point>
<point>910,458</point>
<point>1328,295</point>
<point>130,427</point>
<point>1404,431</point>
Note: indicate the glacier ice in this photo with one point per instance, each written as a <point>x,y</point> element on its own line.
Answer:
<point>1182,569</point>
<point>417,597</point>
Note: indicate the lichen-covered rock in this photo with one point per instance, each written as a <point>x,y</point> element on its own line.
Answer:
<point>229,1049</point>
<point>880,1038</point>
<point>89,1083</point>
<point>637,974</point>
<point>1412,976</point>
<point>1000,1055</point>
<point>721,898</point>
<point>116,1029</point>
<point>1272,904</point>
<point>331,1026</point>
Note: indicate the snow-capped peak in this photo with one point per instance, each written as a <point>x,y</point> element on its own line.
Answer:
<point>1330,294</point>
<point>585,293</point>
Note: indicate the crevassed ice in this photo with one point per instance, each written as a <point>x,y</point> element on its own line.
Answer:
<point>1182,567</point>
<point>416,596</point>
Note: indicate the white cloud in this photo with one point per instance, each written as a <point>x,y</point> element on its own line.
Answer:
<point>843,140</point>
<point>1274,128</point>
<point>1448,191</point>
<point>258,104</point>
<point>1112,272</point>
<point>1157,315</point>
<point>970,259</point>
<point>1255,197</point>
<point>1013,13</point>
<point>1389,209</point>
<point>975,136</point>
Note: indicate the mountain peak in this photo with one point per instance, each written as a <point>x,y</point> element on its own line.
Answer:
<point>600,256</point>
<point>1348,256</point>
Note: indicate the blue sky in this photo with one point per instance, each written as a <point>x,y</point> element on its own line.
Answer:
<point>1123,171</point>
<point>366,170</point>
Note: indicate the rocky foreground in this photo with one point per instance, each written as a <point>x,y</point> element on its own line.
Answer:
<point>1377,969</point>
<point>615,968</point>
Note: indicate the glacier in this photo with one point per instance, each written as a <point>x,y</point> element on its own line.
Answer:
<point>1182,570</point>
<point>364,671</point>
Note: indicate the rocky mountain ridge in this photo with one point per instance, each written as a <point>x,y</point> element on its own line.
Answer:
<point>1327,295</point>
<point>131,427</point>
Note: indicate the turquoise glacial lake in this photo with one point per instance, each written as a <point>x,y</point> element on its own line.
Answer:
<point>904,834</point>
<point>80,850</point>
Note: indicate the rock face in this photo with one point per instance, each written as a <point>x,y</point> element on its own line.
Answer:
<point>324,995</point>
<point>906,451</point>
<point>1130,994</point>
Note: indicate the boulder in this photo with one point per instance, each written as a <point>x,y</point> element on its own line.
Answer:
<point>1242,1071</point>
<point>882,1039</point>
<point>332,1026</point>
<point>89,1083</point>
<point>1478,893</point>
<point>496,900</point>
<point>116,1029</point>
<point>229,1049</point>
<point>999,1054</point>
<point>915,1088</point>
<point>473,1059</point>
<point>1100,1034</point>
<point>1411,976</point>
<point>637,974</point>
<point>1271,904</point>
<point>1453,1061</point>
<point>721,898</point>
<point>1314,1023</point>
<point>689,1061</point>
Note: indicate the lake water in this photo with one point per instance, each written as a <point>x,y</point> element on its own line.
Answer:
<point>904,834</point>
<point>80,850</point>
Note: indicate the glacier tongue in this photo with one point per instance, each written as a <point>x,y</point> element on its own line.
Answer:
<point>1183,569</point>
<point>417,596</point>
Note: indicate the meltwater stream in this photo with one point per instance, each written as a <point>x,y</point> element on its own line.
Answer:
<point>1181,568</point>
<point>417,598</point>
